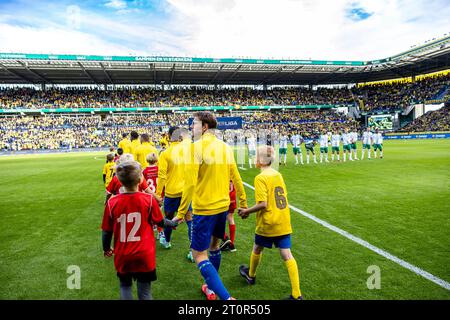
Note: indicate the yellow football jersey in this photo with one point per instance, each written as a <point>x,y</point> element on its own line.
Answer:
<point>142,151</point>
<point>209,167</point>
<point>125,144</point>
<point>171,171</point>
<point>134,148</point>
<point>275,220</point>
<point>108,171</point>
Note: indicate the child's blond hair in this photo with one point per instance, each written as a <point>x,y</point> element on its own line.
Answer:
<point>152,158</point>
<point>265,155</point>
<point>110,157</point>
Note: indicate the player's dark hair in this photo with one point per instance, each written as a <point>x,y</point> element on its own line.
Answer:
<point>145,137</point>
<point>172,130</point>
<point>134,135</point>
<point>129,173</point>
<point>124,135</point>
<point>206,117</point>
<point>119,151</point>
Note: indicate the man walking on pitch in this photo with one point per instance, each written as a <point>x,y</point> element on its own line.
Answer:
<point>378,143</point>
<point>208,172</point>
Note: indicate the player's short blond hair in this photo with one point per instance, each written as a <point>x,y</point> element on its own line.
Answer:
<point>125,157</point>
<point>129,173</point>
<point>265,155</point>
<point>151,158</point>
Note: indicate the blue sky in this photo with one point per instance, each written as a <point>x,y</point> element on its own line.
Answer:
<point>300,29</point>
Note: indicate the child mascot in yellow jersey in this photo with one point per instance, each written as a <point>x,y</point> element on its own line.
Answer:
<point>273,221</point>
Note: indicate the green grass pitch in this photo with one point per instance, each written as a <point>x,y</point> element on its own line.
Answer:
<point>51,208</point>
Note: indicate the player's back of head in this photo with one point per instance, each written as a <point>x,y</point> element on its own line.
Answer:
<point>151,158</point>
<point>129,173</point>
<point>119,151</point>
<point>145,137</point>
<point>207,118</point>
<point>134,135</point>
<point>265,155</point>
<point>125,157</point>
<point>110,157</point>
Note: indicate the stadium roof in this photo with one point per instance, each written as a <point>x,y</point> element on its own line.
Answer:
<point>17,68</point>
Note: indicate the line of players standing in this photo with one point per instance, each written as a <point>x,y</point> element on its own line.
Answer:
<point>349,141</point>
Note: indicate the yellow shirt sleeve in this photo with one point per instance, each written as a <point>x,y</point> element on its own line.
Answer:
<point>162,173</point>
<point>192,166</point>
<point>261,190</point>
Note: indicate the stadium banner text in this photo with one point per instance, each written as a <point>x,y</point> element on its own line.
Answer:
<point>418,136</point>
<point>225,123</point>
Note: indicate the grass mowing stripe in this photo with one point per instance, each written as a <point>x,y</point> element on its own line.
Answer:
<point>444,284</point>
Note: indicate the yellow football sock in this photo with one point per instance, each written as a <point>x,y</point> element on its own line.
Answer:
<point>292,268</point>
<point>254,262</point>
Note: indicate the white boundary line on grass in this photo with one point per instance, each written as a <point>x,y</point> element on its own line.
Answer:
<point>444,284</point>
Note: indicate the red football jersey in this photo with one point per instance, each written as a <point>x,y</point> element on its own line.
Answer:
<point>151,176</point>
<point>130,216</point>
<point>115,187</point>
<point>232,206</point>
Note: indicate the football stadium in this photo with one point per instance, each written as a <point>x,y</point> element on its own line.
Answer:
<point>165,176</point>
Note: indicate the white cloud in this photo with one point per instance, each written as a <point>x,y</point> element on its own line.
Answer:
<point>300,29</point>
<point>116,4</point>
<point>308,29</point>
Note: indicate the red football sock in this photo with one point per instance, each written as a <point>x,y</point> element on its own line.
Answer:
<point>232,228</point>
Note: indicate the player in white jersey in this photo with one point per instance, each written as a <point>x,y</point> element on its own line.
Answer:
<point>367,141</point>
<point>335,142</point>
<point>323,140</point>
<point>251,145</point>
<point>283,148</point>
<point>353,141</point>
<point>296,140</point>
<point>346,147</point>
<point>378,143</point>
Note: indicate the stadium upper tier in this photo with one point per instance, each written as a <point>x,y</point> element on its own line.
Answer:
<point>376,97</point>
<point>87,69</point>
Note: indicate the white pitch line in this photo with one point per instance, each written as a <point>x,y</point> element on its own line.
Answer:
<point>442,283</point>
<point>242,168</point>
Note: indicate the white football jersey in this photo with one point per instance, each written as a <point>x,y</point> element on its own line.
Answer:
<point>345,138</point>
<point>335,139</point>
<point>251,142</point>
<point>378,138</point>
<point>323,140</point>
<point>283,142</point>
<point>296,141</point>
<point>367,136</point>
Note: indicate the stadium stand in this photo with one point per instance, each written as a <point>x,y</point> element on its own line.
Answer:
<point>438,120</point>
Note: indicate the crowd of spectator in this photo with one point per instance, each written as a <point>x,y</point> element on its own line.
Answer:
<point>132,97</point>
<point>438,120</point>
<point>92,131</point>
<point>388,97</point>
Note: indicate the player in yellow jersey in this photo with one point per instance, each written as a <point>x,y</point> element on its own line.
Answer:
<point>208,170</point>
<point>135,143</point>
<point>143,150</point>
<point>125,143</point>
<point>273,220</point>
<point>171,180</point>
<point>108,169</point>
<point>164,141</point>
